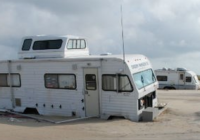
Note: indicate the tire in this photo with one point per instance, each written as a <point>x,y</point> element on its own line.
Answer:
<point>173,88</point>
<point>170,88</point>
<point>166,88</point>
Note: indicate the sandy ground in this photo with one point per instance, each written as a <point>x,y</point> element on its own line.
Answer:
<point>181,121</point>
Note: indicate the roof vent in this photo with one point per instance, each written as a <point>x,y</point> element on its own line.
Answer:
<point>181,69</point>
<point>106,53</point>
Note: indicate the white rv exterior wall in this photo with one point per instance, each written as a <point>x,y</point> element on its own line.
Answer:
<point>118,104</point>
<point>33,91</point>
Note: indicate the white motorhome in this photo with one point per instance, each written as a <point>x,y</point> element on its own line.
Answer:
<point>179,78</point>
<point>56,76</point>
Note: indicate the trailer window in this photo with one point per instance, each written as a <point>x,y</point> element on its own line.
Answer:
<point>144,78</point>
<point>188,79</point>
<point>5,80</point>
<point>83,44</point>
<point>181,76</point>
<point>27,44</point>
<point>76,44</point>
<point>109,82</point>
<point>90,80</point>
<point>162,78</point>
<point>120,83</point>
<point>47,44</point>
<point>124,84</point>
<point>15,80</point>
<point>51,81</point>
<point>67,81</point>
<point>60,81</point>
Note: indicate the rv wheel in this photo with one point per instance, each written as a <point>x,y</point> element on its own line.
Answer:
<point>173,88</point>
<point>165,88</point>
<point>169,88</point>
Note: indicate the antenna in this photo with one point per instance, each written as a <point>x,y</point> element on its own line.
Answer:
<point>122,33</point>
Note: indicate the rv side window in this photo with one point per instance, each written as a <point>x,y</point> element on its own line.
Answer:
<point>15,80</point>
<point>70,44</point>
<point>162,78</point>
<point>76,44</point>
<point>67,81</point>
<point>60,81</point>
<point>181,76</point>
<point>83,44</point>
<point>111,83</point>
<point>47,44</point>
<point>124,84</point>
<point>5,80</point>
<point>188,79</point>
<point>26,45</point>
<point>51,81</point>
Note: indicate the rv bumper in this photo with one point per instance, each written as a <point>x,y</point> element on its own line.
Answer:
<point>152,113</point>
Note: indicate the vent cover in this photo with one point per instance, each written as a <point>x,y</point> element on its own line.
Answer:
<point>17,101</point>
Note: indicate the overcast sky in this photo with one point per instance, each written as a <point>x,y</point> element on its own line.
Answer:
<point>166,31</point>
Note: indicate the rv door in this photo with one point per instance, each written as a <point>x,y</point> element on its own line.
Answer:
<point>91,92</point>
<point>181,81</point>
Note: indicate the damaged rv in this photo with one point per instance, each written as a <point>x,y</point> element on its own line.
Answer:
<point>56,75</point>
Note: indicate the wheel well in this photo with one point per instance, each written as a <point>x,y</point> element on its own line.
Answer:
<point>31,111</point>
<point>169,87</point>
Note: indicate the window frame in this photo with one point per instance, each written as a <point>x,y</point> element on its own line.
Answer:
<point>6,83</point>
<point>163,77</point>
<point>7,75</point>
<point>86,87</point>
<point>190,78</point>
<point>47,41</point>
<point>113,75</point>
<point>141,72</point>
<point>76,47</point>
<point>117,76</point>
<point>181,77</point>
<point>24,44</point>
<point>58,74</point>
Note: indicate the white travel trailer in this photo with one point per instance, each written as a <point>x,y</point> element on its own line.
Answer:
<point>179,78</point>
<point>56,76</point>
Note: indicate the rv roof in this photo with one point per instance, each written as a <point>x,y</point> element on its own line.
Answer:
<point>42,37</point>
<point>170,69</point>
<point>129,56</point>
<point>90,57</point>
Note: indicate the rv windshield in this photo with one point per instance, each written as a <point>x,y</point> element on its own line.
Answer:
<point>144,78</point>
